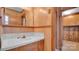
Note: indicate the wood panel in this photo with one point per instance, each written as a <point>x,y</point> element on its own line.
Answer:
<point>29,16</point>
<point>47,32</point>
<point>71,20</point>
<point>42,17</point>
<point>37,16</point>
<point>46,17</point>
<point>15,30</point>
<point>41,45</point>
<point>59,28</point>
<point>15,21</point>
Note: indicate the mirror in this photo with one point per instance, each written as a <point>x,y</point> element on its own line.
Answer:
<point>14,16</point>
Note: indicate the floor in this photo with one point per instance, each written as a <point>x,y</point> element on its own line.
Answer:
<point>70,46</point>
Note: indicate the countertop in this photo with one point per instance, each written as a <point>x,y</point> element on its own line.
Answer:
<point>10,41</point>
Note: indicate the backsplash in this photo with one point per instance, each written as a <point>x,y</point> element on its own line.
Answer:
<point>16,30</point>
<point>15,35</point>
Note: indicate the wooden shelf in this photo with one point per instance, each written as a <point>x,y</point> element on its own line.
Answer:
<point>72,26</point>
<point>20,26</point>
<point>26,26</point>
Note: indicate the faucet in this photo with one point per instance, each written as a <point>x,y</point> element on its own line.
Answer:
<point>21,37</point>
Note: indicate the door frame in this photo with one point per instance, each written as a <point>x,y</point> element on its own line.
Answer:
<point>59,29</point>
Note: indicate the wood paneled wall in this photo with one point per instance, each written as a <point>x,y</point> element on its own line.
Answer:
<point>71,20</point>
<point>45,17</point>
<point>29,16</point>
<point>47,42</point>
<point>42,17</point>
<point>16,29</point>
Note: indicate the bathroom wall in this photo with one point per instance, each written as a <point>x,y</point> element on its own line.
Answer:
<point>16,29</point>
<point>42,16</point>
<point>71,20</point>
<point>43,19</point>
<point>29,15</point>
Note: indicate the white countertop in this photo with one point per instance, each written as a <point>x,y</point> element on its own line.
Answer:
<point>10,41</point>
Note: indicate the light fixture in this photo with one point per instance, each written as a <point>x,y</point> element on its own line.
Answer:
<point>70,11</point>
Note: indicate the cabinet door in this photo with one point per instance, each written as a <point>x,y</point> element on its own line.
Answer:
<point>29,16</point>
<point>41,45</point>
<point>76,18</point>
<point>71,20</point>
<point>68,20</point>
<point>42,17</point>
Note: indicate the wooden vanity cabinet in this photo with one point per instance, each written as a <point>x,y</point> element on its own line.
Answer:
<point>41,45</point>
<point>36,46</point>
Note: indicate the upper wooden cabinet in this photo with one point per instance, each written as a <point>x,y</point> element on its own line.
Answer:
<point>38,16</point>
<point>42,16</point>
<point>71,20</point>
<point>29,16</point>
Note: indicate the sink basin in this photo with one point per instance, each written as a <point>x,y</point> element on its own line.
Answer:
<point>9,41</point>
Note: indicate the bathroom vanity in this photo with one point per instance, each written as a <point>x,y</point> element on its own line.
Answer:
<point>36,46</point>
<point>29,41</point>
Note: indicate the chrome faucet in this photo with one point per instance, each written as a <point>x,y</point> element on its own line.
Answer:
<point>21,37</point>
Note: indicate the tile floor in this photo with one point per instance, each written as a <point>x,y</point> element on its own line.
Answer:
<point>70,46</point>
